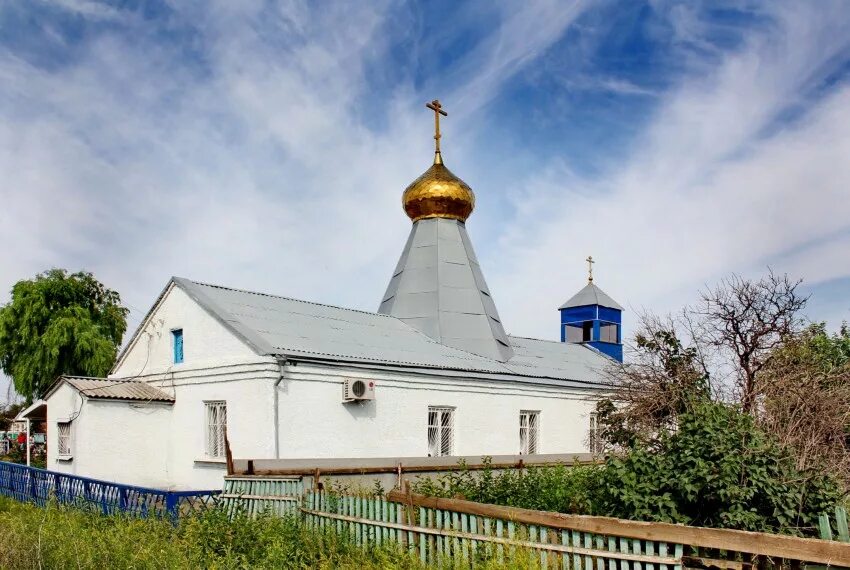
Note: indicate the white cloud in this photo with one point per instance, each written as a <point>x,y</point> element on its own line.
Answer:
<point>706,190</point>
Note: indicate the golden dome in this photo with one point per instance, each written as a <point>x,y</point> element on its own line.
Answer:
<point>438,194</point>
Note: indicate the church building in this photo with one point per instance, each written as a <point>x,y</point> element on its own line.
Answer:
<point>431,373</point>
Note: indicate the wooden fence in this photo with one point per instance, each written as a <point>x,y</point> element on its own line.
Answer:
<point>254,495</point>
<point>841,531</point>
<point>439,529</point>
<point>439,532</point>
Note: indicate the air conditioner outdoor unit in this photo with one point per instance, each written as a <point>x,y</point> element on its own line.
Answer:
<point>357,389</point>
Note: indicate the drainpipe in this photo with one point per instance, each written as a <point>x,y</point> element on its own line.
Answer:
<point>276,416</point>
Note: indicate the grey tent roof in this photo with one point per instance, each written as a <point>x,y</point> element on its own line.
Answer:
<point>115,389</point>
<point>439,289</point>
<point>291,328</point>
<point>591,295</point>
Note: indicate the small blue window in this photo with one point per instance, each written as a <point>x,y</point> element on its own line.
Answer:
<point>178,345</point>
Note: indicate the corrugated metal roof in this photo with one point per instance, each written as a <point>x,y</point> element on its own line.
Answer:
<point>438,288</point>
<point>289,327</point>
<point>591,295</point>
<point>115,389</point>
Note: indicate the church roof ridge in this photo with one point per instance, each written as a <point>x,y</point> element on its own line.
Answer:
<point>284,297</point>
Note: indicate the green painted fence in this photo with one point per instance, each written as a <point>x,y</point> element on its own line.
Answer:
<point>274,495</point>
<point>841,531</point>
<point>439,530</point>
<point>437,534</point>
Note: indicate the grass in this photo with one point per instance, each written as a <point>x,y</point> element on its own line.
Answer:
<point>57,537</point>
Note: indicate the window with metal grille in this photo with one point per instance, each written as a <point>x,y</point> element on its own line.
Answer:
<point>63,439</point>
<point>441,421</point>
<point>216,424</point>
<point>529,430</point>
<point>594,439</point>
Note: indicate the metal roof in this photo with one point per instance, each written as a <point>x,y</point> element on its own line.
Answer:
<point>591,295</point>
<point>438,288</point>
<point>116,389</point>
<point>291,328</point>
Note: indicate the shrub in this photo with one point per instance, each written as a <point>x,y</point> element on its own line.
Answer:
<point>718,470</point>
<point>560,488</point>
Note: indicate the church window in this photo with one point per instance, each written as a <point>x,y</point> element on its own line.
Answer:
<point>594,438</point>
<point>529,425</point>
<point>63,439</point>
<point>177,336</point>
<point>440,431</point>
<point>608,332</point>
<point>216,426</point>
<point>587,331</point>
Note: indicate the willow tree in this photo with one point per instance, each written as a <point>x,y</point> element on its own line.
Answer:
<point>59,323</point>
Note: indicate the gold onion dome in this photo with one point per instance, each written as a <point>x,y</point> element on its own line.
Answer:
<point>438,193</point>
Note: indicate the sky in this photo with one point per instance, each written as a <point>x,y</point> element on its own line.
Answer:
<point>265,145</point>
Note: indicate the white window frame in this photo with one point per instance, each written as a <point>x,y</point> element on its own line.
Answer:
<point>215,425</point>
<point>529,432</point>
<point>63,440</point>
<point>594,440</point>
<point>441,428</point>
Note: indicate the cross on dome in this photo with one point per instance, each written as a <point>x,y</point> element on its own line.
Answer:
<point>438,110</point>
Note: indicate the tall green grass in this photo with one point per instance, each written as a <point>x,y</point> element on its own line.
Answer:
<point>57,537</point>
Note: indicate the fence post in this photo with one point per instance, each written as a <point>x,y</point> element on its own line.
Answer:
<point>171,505</point>
<point>122,499</point>
<point>33,491</point>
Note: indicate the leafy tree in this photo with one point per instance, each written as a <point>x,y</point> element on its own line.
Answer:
<point>8,414</point>
<point>664,379</point>
<point>718,469</point>
<point>59,323</point>
<point>806,400</point>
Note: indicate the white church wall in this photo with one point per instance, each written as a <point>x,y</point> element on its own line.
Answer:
<point>62,405</point>
<point>110,440</point>
<point>250,425</point>
<point>315,423</point>
<point>124,442</point>
<point>206,342</point>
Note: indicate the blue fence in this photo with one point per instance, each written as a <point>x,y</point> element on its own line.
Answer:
<point>39,486</point>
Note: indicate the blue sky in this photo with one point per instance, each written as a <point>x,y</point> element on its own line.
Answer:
<point>265,145</point>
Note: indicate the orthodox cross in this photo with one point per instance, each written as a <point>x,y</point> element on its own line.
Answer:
<point>438,110</point>
<point>590,263</point>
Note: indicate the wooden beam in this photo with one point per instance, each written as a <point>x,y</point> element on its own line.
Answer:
<point>390,469</point>
<point>774,545</point>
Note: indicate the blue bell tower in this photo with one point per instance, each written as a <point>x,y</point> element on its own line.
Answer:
<point>592,317</point>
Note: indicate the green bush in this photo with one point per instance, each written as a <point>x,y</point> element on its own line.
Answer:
<point>718,470</point>
<point>560,488</point>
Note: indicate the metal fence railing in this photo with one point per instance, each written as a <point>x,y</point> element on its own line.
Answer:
<point>39,486</point>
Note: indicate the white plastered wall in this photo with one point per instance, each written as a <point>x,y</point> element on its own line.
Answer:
<point>206,342</point>
<point>110,440</point>
<point>315,423</point>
